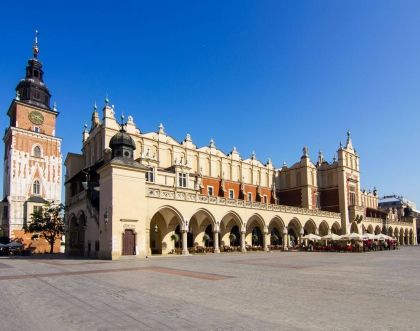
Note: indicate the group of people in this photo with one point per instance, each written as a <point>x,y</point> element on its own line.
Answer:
<point>348,246</point>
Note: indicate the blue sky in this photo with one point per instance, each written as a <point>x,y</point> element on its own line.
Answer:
<point>269,76</point>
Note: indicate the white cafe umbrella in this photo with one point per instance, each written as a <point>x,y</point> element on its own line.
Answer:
<point>331,236</point>
<point>311,236</point>
<point>370,236</point>
<point>382,236</point>
<point>352,236</point>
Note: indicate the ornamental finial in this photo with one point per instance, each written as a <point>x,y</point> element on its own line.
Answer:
<point>35,48</point>
<point>161,129</point>
<point>305,151</point>
<point>212,143</point>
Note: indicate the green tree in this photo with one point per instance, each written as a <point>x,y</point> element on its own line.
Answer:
<point>206,239</point>
<point>175,238</point>
<point>48,222</point>
<point>232,238</point>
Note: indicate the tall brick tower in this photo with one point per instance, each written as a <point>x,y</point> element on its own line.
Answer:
<point>32,154</point>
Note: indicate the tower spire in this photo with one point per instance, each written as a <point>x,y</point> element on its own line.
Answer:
<point>35,48</point>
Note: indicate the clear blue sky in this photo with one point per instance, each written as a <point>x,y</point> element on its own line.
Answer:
<point>269,76</point>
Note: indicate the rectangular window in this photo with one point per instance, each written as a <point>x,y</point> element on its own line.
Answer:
<point>150,175</point>
<point>249,196</point>
<point>231,194</point>
<point>182,180</point>
<point>210,190</point>
<point>264,199</point>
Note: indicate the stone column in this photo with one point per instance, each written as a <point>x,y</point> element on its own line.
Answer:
<point>266,240</point>
<point>184,242</point>
<point>243,249</point>
<point>285,245</point>
<point>216,241</point>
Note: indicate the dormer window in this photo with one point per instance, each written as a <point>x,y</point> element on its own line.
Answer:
<point>150,175</point>
<point>231,194</point>
<point>182,180</point>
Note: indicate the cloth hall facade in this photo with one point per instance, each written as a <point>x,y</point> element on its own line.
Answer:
<point>135,193</point>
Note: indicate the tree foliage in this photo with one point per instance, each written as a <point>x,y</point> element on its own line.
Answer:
<point>48,222</point>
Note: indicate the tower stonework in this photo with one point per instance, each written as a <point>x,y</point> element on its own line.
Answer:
<point>32,154</point>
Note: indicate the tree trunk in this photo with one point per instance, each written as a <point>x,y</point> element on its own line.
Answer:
<point>51,247</point>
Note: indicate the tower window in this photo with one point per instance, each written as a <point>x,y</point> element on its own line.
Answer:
<point>36,73</point>
<point>352,196</point>
<point>37,151</point>
<point>36,188</point>
<point>249,196</point>
<point>37,129</point>
<point>210,190</point>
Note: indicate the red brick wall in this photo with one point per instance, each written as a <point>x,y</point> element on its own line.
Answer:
<point>235,186</point>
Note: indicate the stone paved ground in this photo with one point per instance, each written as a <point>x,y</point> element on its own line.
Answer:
<point>253,291</point>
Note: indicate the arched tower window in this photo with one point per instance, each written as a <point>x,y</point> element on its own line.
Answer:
<point>36,188</point>
<point>37,151</point>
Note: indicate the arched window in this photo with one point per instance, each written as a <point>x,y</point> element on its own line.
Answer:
<point>37,151</point>
<point>36,188</point>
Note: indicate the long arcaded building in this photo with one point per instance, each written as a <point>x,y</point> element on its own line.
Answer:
<point>135,193</point>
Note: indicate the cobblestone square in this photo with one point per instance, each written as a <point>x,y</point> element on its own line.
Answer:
<point>231,291</point>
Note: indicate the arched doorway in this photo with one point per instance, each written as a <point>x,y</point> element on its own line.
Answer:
<point>201,228</point>
<point>235,237</point>
<point>293,231</point>
<point>276,238</point>
<point>257,237</point>
<point>208,233</point>
<point>275,228</point>
<point>377,229</point>
<point>230,230</point>
<point>354,228</point>
<point>309,228</point>
<point>165,232</point>
<point>129,242</point>
<point>323,229</point>
<point>336,228</point>
<point>254,232</point>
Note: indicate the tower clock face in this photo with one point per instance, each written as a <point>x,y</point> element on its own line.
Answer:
<point>36,117</point>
